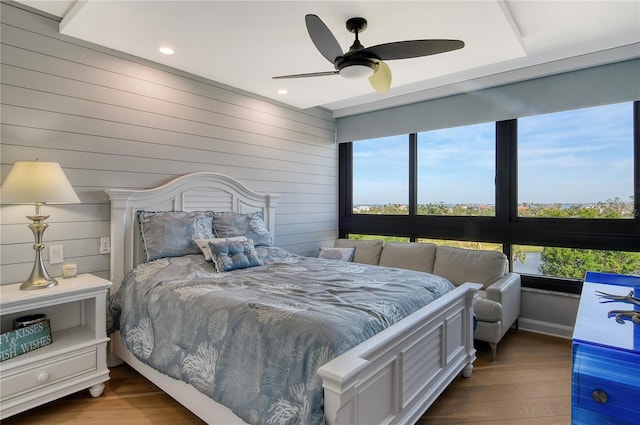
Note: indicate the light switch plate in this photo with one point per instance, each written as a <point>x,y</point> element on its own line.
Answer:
<point>105,245</point>
<point>56,254</point>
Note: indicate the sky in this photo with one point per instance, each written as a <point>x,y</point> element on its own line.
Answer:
<point>580,156</point>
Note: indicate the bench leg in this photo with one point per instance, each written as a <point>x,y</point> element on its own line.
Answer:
<point>494,348</point>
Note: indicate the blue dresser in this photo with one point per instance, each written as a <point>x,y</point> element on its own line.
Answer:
<point>605,376</point>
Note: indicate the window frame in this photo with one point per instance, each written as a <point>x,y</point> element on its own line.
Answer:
<point>506,227</point>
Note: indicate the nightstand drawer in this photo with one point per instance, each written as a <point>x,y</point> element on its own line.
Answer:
<point>605,382</point>
<point>43,375</point>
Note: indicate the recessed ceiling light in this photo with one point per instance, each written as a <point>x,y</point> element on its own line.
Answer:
<point>282,91</point>
<point>166,50</point>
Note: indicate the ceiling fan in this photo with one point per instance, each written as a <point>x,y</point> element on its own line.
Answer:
<point>360,62</point>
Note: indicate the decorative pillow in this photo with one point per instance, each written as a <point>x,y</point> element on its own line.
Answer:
<point>227,256</point>
<point>251,225</point>
<point>203,244</point>
<point>340,254</point>
<point>171,233</point>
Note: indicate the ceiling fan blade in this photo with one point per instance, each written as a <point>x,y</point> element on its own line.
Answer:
<point>413,48</point>
<point>322,37</point>
<point>311,74</point>
<point>381,78</point>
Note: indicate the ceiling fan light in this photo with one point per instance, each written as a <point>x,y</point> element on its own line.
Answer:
<point>355,72</point>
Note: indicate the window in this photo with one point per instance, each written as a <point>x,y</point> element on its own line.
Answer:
<point>384,238</point>
<point>381,175</point>
<point>577,164</point>
<point>573,263</point>
<point>488,246</point>
<point>456,171</point>
<point>557,193</point>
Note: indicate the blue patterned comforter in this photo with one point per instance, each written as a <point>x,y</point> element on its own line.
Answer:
<point>252,339</point>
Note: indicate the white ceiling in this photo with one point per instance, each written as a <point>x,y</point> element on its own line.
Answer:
<point>245,43</point>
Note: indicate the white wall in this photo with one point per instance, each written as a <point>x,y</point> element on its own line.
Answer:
<point>114,120</point>
<point>548,312</point>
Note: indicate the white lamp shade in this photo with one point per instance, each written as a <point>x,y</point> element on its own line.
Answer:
<point>37,182</point>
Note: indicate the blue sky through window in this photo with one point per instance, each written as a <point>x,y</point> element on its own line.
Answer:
<point>457,165</point>
<point>380,171</point>
<point>579,156</point>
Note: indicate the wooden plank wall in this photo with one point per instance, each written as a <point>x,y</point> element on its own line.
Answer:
<point>114,120</point>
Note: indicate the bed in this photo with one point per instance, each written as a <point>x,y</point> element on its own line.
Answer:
<point>391,377</point>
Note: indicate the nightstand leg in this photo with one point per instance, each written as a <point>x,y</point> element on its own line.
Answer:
<point>96,390</point>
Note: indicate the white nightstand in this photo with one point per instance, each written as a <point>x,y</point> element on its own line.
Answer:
<point>77,357</point>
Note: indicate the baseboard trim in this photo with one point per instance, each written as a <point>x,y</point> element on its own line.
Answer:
<point>546,328</point>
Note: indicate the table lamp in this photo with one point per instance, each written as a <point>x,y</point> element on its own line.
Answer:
<point>38,183</point>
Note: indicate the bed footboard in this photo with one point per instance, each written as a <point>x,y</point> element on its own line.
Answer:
<point>393,377</point>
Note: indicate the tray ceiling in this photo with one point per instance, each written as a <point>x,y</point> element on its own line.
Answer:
<point>244,43</point>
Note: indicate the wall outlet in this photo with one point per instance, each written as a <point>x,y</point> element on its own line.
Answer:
<point>105,245</point>
<point>56,254</point>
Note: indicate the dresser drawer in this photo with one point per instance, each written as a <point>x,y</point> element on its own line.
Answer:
<point>45,374</point>
<point>605,382</point>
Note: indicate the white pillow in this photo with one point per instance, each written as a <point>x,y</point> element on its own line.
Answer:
<point>203,244</point>
<point>340,254</point>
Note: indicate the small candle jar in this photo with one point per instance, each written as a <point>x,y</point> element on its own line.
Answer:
<point>69,270</point>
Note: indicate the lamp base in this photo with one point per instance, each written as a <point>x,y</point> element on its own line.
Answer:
<point>39,278</point>
<point>38,284</point>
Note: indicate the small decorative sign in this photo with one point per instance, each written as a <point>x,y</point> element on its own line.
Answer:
<point>25,339</point>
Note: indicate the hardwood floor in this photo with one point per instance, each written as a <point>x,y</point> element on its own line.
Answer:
<point>528,384</point>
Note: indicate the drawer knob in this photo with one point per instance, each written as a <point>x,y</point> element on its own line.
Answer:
<point>599,396</point>
<point>43,377</point>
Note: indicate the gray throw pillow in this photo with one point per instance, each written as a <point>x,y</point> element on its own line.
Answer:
<point>250,225</point>
<point>172,233</point>
<point>340,254</point>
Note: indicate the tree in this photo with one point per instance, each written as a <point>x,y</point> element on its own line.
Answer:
<point>573,263</point>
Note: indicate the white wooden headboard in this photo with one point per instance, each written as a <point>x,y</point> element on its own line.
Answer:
<point>203,191</point>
